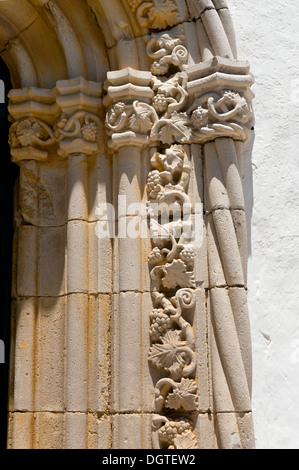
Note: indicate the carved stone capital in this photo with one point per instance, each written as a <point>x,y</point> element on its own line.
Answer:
<point>33,111</point>
<point>193,105</point>
<point>79,127</point>
<point>203,103</point>
<point>68,117</point>
<point>130,116</point>
<point>220,99</point>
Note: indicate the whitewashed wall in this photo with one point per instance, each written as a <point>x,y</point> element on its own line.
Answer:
<point>267,34</point>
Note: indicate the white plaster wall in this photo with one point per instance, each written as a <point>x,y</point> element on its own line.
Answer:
<point>267,35</point>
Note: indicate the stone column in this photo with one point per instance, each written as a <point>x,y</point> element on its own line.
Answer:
<point>203,111</point>
<point>61,385</point>
<point>37,371</point>
<point>80,137</point>
<point>221,118</point>
<point>128,121</point>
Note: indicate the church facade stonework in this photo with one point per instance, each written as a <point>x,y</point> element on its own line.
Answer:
<point>130,327</point>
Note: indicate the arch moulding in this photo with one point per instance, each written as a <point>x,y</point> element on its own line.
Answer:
<point>130,326</point>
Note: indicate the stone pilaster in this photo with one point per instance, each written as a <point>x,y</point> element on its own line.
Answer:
<point>128,120</point>
<point>221,118</point>
<point>63,312</point>
<point>79,132</point>
<point>38,368</point>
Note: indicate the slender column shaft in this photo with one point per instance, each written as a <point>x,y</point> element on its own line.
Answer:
<point>130,301</point>
<point>77,303</point>
<point>227,256</point>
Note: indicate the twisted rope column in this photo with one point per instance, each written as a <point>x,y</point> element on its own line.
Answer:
<point>227,261</point>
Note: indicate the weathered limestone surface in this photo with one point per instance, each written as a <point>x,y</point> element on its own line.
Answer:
<point>130,321</point>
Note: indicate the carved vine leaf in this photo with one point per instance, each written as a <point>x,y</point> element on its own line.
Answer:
<point>26,131</point>
<point>140,122</point>
<point>176,275</point>
<point>183,396</point>
<point>213,131</point>
<point>30,132</point>
<point>185,441</point>
<point>168,355</point>
<point>162,14</point>
<point>173,161</point>
<point>155,14</point>
<point>174,129</point>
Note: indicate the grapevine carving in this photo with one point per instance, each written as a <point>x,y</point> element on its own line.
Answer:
<point>30,132</point>
<point>171,263</point>
<point>155,14</point>
<point>78,133</point>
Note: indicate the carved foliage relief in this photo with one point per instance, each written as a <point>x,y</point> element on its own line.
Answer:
<point>219,113</point>
<point>175,111</point>
<point>169,115</point>
<point>155,14</point>
<point>171,264</point>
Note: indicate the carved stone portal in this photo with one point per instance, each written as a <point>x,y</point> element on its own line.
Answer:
<point>130,322</point>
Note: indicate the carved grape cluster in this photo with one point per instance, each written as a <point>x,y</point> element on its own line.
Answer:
<point>160,324</point>
<point>172,429</point>
<point>153,181</point>
<point>187,255</point>
<point>160,103</point>
<point>90,132</point>
<point>200,118</point>
<point>156,257</point>
<point>159,69</point>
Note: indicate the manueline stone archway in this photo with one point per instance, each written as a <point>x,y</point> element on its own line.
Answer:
<point>130,321</point>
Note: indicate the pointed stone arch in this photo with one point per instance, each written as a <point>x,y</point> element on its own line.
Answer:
<point>147,101</point>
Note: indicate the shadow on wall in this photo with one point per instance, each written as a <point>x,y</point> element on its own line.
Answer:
<point>247,175</point>
<point>8,175</point>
